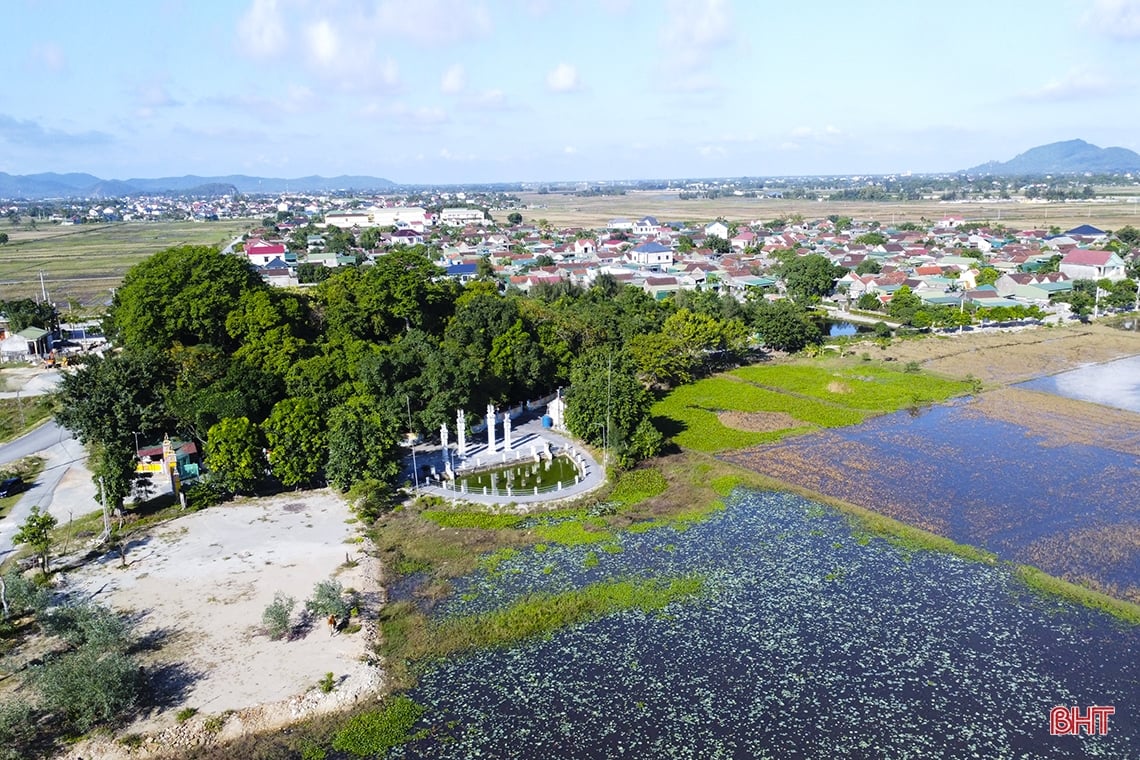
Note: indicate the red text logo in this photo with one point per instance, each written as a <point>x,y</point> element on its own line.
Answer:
<point>1070,721</point>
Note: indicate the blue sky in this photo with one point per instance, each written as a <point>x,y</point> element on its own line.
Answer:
<point>459,91</point>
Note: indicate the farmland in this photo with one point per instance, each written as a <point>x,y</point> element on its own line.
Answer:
<point>82,264</point>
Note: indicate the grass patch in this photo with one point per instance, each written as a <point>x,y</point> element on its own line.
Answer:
<point>28,468</point>
<point>409,636</point>
<point>1042,583</point>
<point>476,520</point>
<point>375,732</point>
<point>636,486</point>
<point>574,532</point>
<point>19,415</point>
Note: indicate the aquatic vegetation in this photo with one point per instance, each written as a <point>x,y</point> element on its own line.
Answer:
<point>856,386</point>
<point>472,519</point>
<point>377,731</point>
<point>636,486</point>
<point>803,638</point>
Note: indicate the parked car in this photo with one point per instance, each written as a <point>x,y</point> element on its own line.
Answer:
<point>11,487</point>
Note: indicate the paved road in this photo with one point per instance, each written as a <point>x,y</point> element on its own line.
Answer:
<point>63,456</point>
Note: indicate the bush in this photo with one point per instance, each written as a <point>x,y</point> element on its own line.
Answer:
<point>17,730</point>
<point>327,684</point>
<point>377,731</point>
<point>88,687</point>
<point>276,615</point>
<point>328,600</point>
<point>88,625</point>
<point>185,714</point>
<point>205,493</point>
<point>24,595</point>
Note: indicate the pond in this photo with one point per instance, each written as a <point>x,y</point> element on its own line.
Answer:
<point>808,641</point>
<point>1115,383</point>
<point>1070,508</point>
<point>835,328</point>
<point>524,476</point>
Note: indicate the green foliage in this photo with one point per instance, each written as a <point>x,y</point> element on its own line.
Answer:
<point>180,295</point>
<point>868,266</point>
<point>607,405</point>
<point>872,239</point>
<point>868,389</point>
<point>234,454</point>
<point>514,218</point>
<point>297,441</point>
<point>36,532</point>
<point>903,305</point>
<point>363,443</point>
<point>327,683</point>
<point>375,732</point>
<point>275,618</point>
<point>328,599</point>
<point>87,687</point>
<point>17,730</point>
<point>87,625</point>
<point>785,326</point>
<point>810,277</point>
<point>636,486</point>
<point>574,532</point>
<point>468,520</point>
<point>23,595</point>
<point>185,714</point>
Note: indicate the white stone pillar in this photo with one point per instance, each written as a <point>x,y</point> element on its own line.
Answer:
<point>491,428</point>
<point>507,431</point>
<point>461,429</point>
<point>443,440</point>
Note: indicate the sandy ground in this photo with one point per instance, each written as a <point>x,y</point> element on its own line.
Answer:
<point>197,587</point>
<point>1002,357</point>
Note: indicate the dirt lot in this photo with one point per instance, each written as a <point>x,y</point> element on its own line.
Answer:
<point>998,357</point>
<point>197,587</point>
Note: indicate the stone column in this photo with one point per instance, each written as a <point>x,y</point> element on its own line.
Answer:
<point>507,431</point>
<point>490,428</point>
<point>461,429</point>
<point>443,440</point>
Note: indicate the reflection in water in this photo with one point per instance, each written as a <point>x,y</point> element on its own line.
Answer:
<point>1114,384</point>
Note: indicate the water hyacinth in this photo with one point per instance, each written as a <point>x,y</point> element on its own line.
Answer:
<point>808,641</point>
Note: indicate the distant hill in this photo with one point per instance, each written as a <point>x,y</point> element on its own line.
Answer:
<point>51,185</point>
<point>1068,157</point>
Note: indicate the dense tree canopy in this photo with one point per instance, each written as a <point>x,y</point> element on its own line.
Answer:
<point>810,277</point>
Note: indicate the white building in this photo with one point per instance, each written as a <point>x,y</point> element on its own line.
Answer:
<point>460,217</point>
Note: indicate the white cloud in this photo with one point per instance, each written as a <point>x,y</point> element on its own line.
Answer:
<point>433,21</point>
<point>563,78</point>
<point>323,42</point>
<point>692,32</point>
<point>827,134</point>
<point>1116,18</point>
<point>261,29</point>
<point>569,150</point>
<point>711,151</point>
<point>488,100</point>
<point>454,80</point>
<point>1078,84</point>
<point>50,56</point>
<point>422,116</point>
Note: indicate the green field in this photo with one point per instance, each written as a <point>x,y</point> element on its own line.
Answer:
<point>82,264</point>
<point>798,397</point>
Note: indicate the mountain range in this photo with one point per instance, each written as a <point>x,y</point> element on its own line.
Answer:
<point>1067,157</point>
<point>52,185</point>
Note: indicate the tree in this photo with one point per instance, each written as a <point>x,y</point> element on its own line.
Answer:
<point>180,295</point>
<point>514,218</point>
<point>606,405</point>
<point>297,441</point>
<point>234,454</point>
<point>3,238</point>
<point>987,276</point>
<point>869,302</point>
<point>363,443</point>
<point>868,266</point>
<point>809,277</point>
<point>872,239</point>
<point>785,326</point>
<point>903,305</point>
<point>36,533</point>
<point>310,272</point>
<point>1128,235</point>
<point>718,244</point>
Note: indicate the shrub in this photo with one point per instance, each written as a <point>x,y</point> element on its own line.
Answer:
<point>17,730</point>
<point>185,714</point>
<point>88,687</point>
<point>327,684</point>
<point>377,731</point>
<point>328,599</point>
<point>276,615</point>
<point>24,595</point>
<point>88,625</point>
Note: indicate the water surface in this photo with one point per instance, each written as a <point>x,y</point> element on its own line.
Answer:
<point>1115,383</point>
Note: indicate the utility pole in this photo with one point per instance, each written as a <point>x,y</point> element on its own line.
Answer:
<point>43,289</point>
<point>415,469</point>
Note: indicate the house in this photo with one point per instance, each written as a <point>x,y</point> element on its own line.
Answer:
<point>25,345</point>
<point>407,236</point>
<point>744,240</point>
<point>259,253</point>
<point>645,226</point>
<point>1088,264</point>
<point>585,247</point>
<point>718,228</point>
<point>463,272</point>
<point>459,217</point>
<point>650,254</point>
<point>661,287</point>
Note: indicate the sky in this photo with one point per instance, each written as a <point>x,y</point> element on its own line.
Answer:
<point>467,91</point>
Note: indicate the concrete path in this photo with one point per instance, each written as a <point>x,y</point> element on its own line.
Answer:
<point>531,432</point>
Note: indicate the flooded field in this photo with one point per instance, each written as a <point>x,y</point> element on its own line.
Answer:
<point>809,640</point>
<point>1063,503</point>
<point>1115,384</point>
